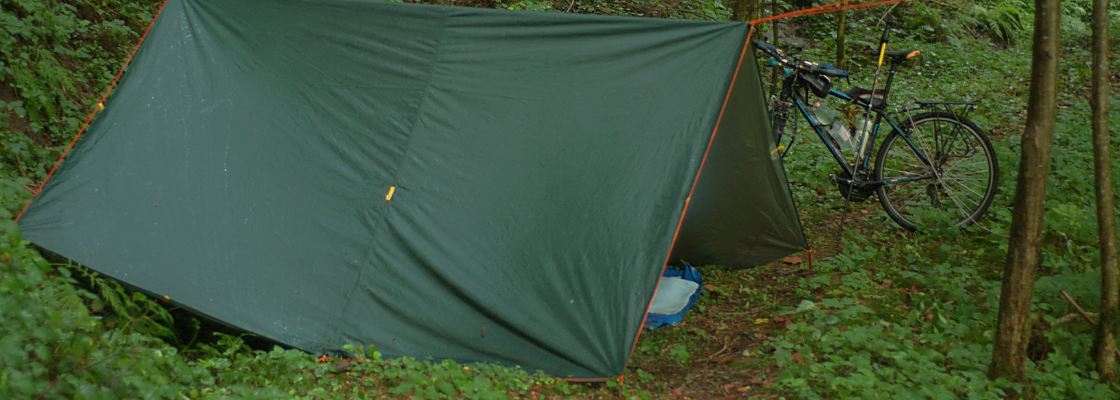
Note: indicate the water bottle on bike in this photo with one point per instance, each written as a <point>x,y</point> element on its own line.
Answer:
<point>826,118</point>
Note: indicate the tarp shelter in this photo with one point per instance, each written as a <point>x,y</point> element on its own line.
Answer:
<point>471,184</point>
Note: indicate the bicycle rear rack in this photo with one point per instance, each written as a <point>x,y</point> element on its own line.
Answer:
<point>961,108</point>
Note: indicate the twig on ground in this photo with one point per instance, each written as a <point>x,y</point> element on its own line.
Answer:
<point>883,19</point>
<point>1082,312</point>
<point>1077,307</point>
<point>947,5</point>
<point>726,343</point>
<point>19,165</point>
<point>1069,318</point>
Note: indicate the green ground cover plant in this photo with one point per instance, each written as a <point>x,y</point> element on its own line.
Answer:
<point>56,59</point>
<point>934,295</point>
<point>883,314</point>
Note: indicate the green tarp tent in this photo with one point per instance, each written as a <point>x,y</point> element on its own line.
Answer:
<point>479,185</point>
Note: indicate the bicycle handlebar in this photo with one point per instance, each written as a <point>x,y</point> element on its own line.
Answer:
<point>807,66</point>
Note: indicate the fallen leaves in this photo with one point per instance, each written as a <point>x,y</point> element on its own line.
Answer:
<point>723,359</point>
<point>796,357</point>
<point>783,321</point>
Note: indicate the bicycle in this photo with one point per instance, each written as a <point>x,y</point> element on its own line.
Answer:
<point>933,162</point>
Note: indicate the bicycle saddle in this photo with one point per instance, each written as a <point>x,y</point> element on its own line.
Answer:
<point>899,55</point>
<point>864,96</point>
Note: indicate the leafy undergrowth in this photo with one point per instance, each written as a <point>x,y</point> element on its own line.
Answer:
<point>59,341</point>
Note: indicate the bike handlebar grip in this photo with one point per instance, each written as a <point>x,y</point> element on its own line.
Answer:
<point>829,70</point>
<point>776,56</point>
<point>762,45</point>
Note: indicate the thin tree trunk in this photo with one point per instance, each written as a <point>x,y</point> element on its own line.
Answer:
<point>1023,253</point>
<point>775,76</point>
<point>744,10</point>
<point>841,30</point>
<point>1104,345</point>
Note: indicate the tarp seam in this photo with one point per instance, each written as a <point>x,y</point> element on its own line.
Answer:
<point>403,157</point>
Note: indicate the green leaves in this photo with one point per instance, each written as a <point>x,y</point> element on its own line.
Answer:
<point>51,346</point>
<point>57,60</point>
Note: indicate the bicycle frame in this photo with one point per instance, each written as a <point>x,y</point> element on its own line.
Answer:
<point>798,98</point>
<point>925,158</point>
<point>831,144</point>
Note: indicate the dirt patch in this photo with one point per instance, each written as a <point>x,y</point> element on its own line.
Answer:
<point>719,351</point>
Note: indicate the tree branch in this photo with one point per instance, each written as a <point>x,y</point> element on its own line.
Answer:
<point>1082,312</point>
<point>1077,307</point>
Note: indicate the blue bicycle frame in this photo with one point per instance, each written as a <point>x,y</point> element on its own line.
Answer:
<point>880,115</point>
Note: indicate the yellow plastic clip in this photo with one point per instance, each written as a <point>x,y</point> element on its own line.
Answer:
<point>100,106</point>
<point>777,149</point>
<point>390,195</point>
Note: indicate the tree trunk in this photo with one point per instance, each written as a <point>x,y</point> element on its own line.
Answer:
<point>744,10</point>
<point>1023,253</point>
<point>1104,345</point>
<point>841,30</point>
<point>775,73</point>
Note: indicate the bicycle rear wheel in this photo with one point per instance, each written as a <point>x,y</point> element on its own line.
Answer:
<point>943,169</point>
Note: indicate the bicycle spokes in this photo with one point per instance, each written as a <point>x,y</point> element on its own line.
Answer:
<point>939,163</point>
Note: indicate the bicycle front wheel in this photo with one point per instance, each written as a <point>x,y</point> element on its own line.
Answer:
<point>941,167</point>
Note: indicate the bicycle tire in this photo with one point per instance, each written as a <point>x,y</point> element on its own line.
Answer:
<point>963,183</point>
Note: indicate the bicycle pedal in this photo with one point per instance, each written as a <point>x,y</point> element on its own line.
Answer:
<point>836,180</point>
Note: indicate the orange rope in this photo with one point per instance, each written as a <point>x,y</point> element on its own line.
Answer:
<point>827,8</point>
<point>327,359</point>
<point>98,107</point>
<point>808,11</point>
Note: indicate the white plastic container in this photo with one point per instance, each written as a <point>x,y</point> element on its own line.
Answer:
<point>835,127</point>
<point>863,136</point>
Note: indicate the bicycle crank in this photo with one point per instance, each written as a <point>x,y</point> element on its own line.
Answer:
<point>863,188</point>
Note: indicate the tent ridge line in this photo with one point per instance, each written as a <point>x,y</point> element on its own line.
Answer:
<point>708,149</point>
<point>688,200</point>
<point>96,108</point>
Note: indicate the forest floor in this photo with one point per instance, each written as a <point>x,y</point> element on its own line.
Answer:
<point>720,349</point>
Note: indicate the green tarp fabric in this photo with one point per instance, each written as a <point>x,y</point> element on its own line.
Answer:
<point>478,185</point>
